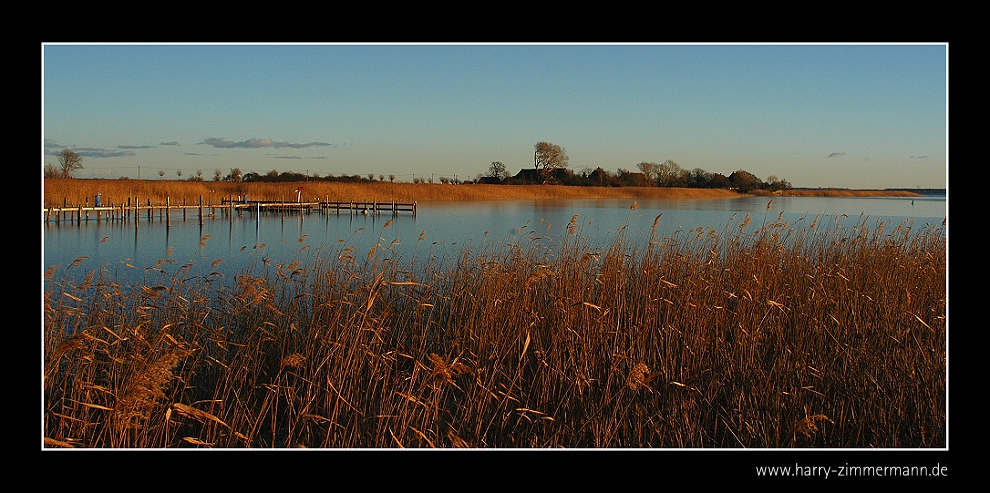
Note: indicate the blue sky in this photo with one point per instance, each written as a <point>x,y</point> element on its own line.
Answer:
<point>852,116</point>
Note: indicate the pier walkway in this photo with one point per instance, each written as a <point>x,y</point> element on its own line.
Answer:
<point>134,209</point>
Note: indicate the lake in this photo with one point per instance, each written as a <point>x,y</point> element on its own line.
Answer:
<point>439,230</point>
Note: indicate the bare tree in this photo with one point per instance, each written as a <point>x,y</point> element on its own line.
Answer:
<point>69,161</point>
<point>548,158</point>
<point>651,171</point>
<point>670,174</point>
<point>497,170</point>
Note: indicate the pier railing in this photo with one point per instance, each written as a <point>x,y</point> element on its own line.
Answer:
<point>134,209</point>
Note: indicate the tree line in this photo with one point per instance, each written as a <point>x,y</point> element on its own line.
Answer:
<point>550,166</point>
<point>550,163</point>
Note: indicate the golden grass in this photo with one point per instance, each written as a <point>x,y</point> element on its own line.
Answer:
<point>778,337</point>
<point>76,192</point>
<point>832,192</point>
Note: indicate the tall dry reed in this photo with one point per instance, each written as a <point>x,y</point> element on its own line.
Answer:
<point>57,192</point>
<point>773,336</point>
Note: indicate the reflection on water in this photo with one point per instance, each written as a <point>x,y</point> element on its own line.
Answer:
<point>439,230</point>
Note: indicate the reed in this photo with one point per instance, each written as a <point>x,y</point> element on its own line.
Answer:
<point>77,192</point>
<point>777,336</point>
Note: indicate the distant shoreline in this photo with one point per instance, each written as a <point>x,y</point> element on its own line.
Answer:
<point>78,191</point>
<point>843,192</point>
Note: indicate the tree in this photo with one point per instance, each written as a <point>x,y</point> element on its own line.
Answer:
<point>745,181</point>
<point>699,178</point>
<point>651,170</point>
<point>548,158</point>
<point>497,170</point>
<point>775,184</point>
<point>69,161</point>
<point>670,174</point>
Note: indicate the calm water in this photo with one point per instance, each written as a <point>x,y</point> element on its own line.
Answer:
<point>438,231</point>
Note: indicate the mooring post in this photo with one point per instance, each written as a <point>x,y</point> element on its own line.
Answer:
<point>200,210</point>
<point>168,217</point>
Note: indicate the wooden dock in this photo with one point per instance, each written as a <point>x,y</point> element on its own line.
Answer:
<point>134,209</point>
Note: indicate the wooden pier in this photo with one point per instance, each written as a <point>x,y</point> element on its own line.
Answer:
<point>134,209</point>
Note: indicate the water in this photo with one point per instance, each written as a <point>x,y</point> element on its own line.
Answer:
<point>230,244</point>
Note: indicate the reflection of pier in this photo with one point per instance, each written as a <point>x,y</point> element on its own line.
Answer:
<point>133,209</point>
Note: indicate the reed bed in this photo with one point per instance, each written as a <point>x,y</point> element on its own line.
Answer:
<point>79,192</point>
<point>778,336</point>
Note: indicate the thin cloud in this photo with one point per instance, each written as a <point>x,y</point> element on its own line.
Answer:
<point>919,157</point>
<point>836,154</point>
<point>53,149</point>
<point>173,143</point>
<point>102,153</point>
<point>134,147</point>
<point>257,143</point>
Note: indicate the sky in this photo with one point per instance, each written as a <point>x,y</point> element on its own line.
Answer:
<point>816,115</point>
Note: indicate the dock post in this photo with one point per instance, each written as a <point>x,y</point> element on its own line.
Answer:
<point>168,217</point>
